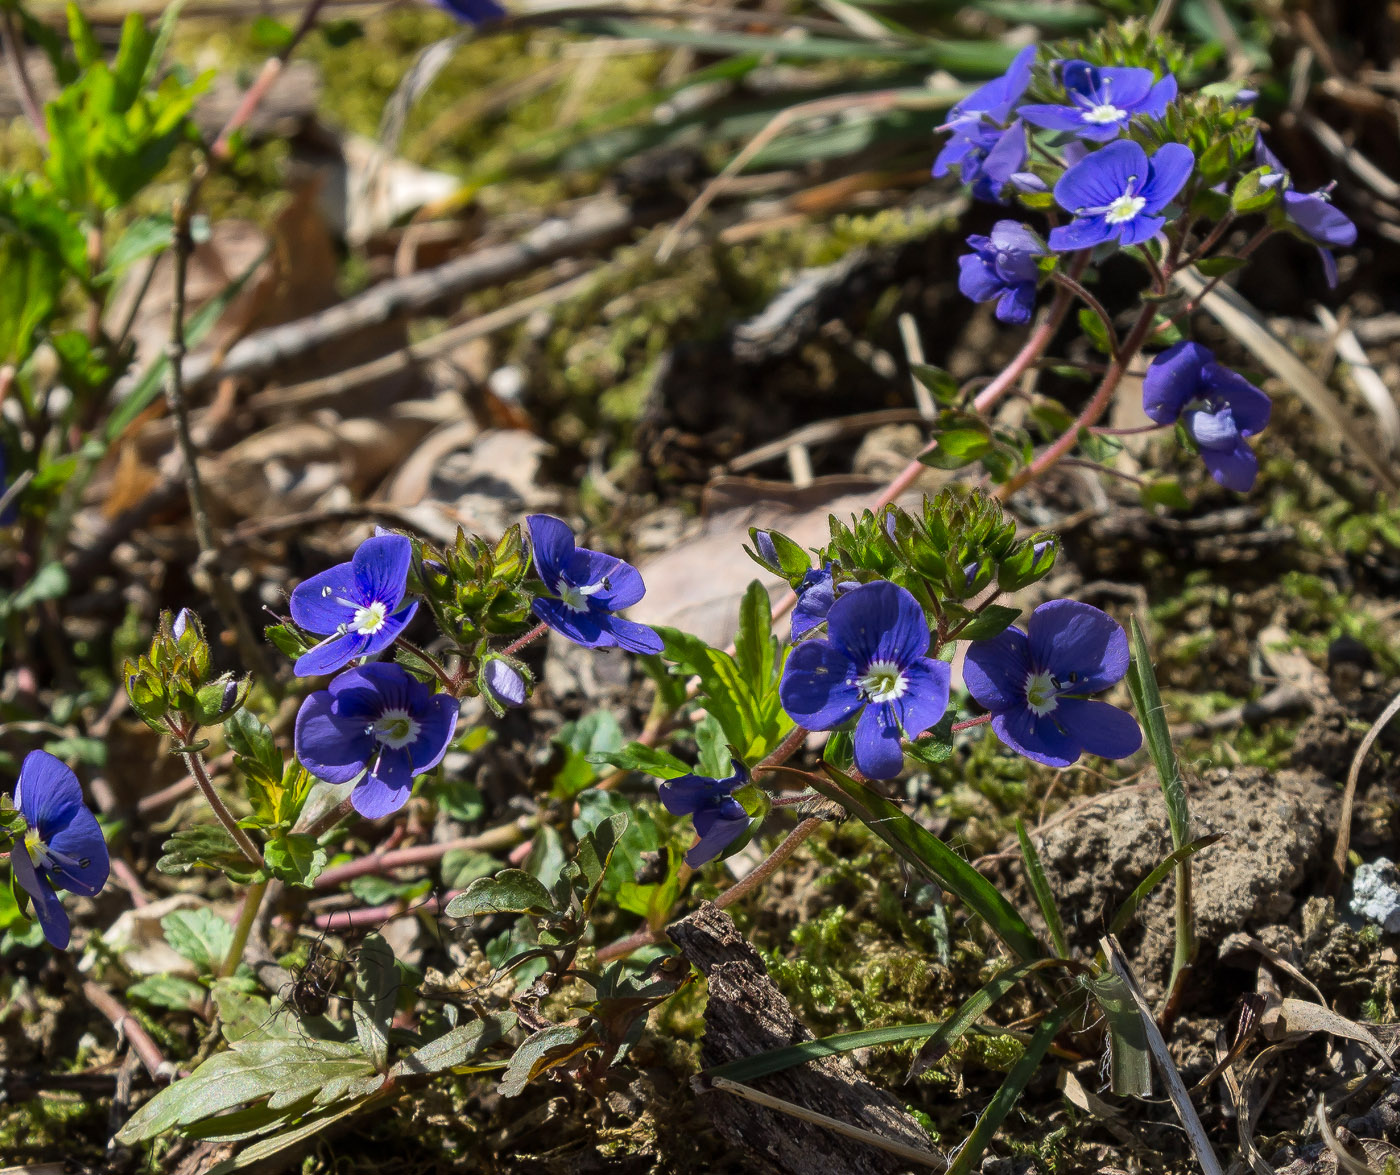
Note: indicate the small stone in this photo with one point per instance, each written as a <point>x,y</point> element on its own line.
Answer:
<point>1375,894</point>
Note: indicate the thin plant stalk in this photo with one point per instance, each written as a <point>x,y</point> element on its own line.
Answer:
<point>247,915</point>
<point>194,763</point>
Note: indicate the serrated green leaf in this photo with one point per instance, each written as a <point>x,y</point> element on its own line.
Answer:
<point>282,1071</point>
<point>295,858</point>
<point>200,936</point>
<point>209,845</point>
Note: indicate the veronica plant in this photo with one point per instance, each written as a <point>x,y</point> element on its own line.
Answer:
<point>1117,158</point>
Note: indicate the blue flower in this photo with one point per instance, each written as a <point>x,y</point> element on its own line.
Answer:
<point>473,11</point>
<point>355,604</point>
<point>1328,227</point>
<point>983,148</point>
<point>874,663</point>
<point>815,595</point>
<point>62,846</point>
<point>1002,266</point>
<point>1036,683</point>
<point>1103,100</point>
<point>586,588</point>
<point>1217,407</point>
<point>380,722</point>
<point>718,817</point>
<point>1117,193</point>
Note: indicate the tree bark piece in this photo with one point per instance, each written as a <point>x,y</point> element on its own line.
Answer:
<point>747,1014</point>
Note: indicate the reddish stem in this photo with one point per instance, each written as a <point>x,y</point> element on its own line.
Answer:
<point>533,635</point>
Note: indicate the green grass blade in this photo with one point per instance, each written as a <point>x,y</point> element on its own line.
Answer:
<point>1147,699</point>
<point>776,1060</point>
<point>1035,873</point>
<point>972,1010</point>
<point>1135,899</point>
<point>1005,1098</point>
<point>932,858</point>
<point>152,380</point>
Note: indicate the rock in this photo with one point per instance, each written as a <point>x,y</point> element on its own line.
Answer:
<point>1375,894</point>
<point>1274,830</point>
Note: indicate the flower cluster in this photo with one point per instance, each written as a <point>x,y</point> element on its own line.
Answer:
<point>1113,166</point>
<point>378,726</point>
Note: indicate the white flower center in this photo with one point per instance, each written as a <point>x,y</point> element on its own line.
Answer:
<point>883,681</point>
<point>1042,693</point>
<point>576,598</point>
<point>1104,114</point>
<point>369,619</point>
<point>1125,208</point>
<point>395,729</point>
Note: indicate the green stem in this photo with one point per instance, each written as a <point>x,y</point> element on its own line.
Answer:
<point>252,903</point>
<point>195,765</point>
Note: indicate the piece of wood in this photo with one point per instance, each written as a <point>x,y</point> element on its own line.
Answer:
<point>747,1014</point>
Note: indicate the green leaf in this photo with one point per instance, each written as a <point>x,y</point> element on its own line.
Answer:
<point>306,1128</point>
<point>145,237</point>
<point>941,386</point>
<point>1219,266</point>
<point>50,582</point>
<point>512,891</point>
<point>537,1053</point>
<point>593,734</point>
<point>638,757</point>
<point>295,858</point>
<point>594,852</point>
<point>376,986</point>
<point>455,1048</point>
<point>1007,1095</point>
<point>747,707</point>
<point>956,447</point>
<point>993,619</point>
<point>932,858</point>
<point>1164,491</point>
<point>168,991</point>
<point>755,650</point>
<point>251,740</point>
<point>209,845</point>
<point>1093,327</point>
<point>284,1072</point>
<point>1250,194</point>
<point>200,936</point>
<point>1035,874</point>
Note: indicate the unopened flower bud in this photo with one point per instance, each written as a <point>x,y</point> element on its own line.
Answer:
<point>502,683</point>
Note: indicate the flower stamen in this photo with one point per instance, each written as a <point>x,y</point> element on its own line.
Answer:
<point>883,681</point>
